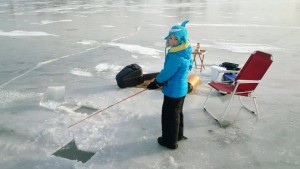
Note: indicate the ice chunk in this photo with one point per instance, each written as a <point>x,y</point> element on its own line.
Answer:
<point>53,97</point>
<point>54,93</point>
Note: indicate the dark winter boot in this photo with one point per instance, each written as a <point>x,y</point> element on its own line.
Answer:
<point>181,138</point>
<point>163,143</point>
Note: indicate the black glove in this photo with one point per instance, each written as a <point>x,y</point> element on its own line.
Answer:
<point>154,85</point>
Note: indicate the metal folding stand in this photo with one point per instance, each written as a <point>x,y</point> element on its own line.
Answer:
<point>200,54</point>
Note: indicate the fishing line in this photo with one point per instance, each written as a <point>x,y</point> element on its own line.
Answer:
<point>99,111</point>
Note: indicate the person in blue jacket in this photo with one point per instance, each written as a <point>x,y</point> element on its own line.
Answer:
<point>173,80</point>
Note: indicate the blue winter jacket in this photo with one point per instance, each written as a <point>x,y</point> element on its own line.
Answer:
<point>174,75</point>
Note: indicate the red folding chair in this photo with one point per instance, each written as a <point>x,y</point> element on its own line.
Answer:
<point>244,85</point>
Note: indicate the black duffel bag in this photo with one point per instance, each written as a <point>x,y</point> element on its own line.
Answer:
<point>230,66</point>
<point>130,76</point>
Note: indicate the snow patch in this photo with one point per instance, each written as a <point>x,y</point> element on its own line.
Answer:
<point>134,56</point>
<point>58,10</point>
<point>18,14</point>
<point>108,26</point>
<point>81,72</point>
<point>158,25</point>
<point>138,49</point>
<point>87,42</point>
<point>168,162</point>
<point>45,22</point>
<point>83,16</point>
<point>242,25</point>
<point>91,12</point>
<point>106,67</point>
<point>169,16</point>
<point>24,33</point>
<point>52,105</point>
<point>247,48</point>
<point>11,96</point>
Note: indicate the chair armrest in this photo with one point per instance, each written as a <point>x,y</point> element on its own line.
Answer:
<point>226,71</point>
<point>247,81</point>
<point>229,71</point>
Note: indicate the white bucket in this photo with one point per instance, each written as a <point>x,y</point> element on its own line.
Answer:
<point>216,74</point>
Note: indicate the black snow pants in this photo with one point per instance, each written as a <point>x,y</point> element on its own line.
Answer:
<point>172,119</point>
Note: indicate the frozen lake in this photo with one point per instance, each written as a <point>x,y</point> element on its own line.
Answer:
<point>81,45</point>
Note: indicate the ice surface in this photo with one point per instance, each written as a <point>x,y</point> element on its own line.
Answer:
<point>83,44</point>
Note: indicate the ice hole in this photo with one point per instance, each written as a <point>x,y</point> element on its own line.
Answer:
<point>86,109</point>
<point>71,152</point>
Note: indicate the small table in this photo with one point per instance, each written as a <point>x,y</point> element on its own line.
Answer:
<point>201,57</point>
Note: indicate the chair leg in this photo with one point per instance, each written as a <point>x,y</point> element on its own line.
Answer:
<point>224,114</point>
<point>207,98</point>
<point>224,123</point>
<point>256,107</point>
<point>221,123</point>
<point>205,109</point>
<point>247,108</point>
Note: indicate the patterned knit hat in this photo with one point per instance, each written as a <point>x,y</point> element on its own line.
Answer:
<point>180,32</point>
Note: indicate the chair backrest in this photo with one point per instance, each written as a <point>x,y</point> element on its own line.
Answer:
<point>254,69</point>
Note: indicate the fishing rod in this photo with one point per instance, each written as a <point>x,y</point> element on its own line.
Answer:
<point>99,111</point>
